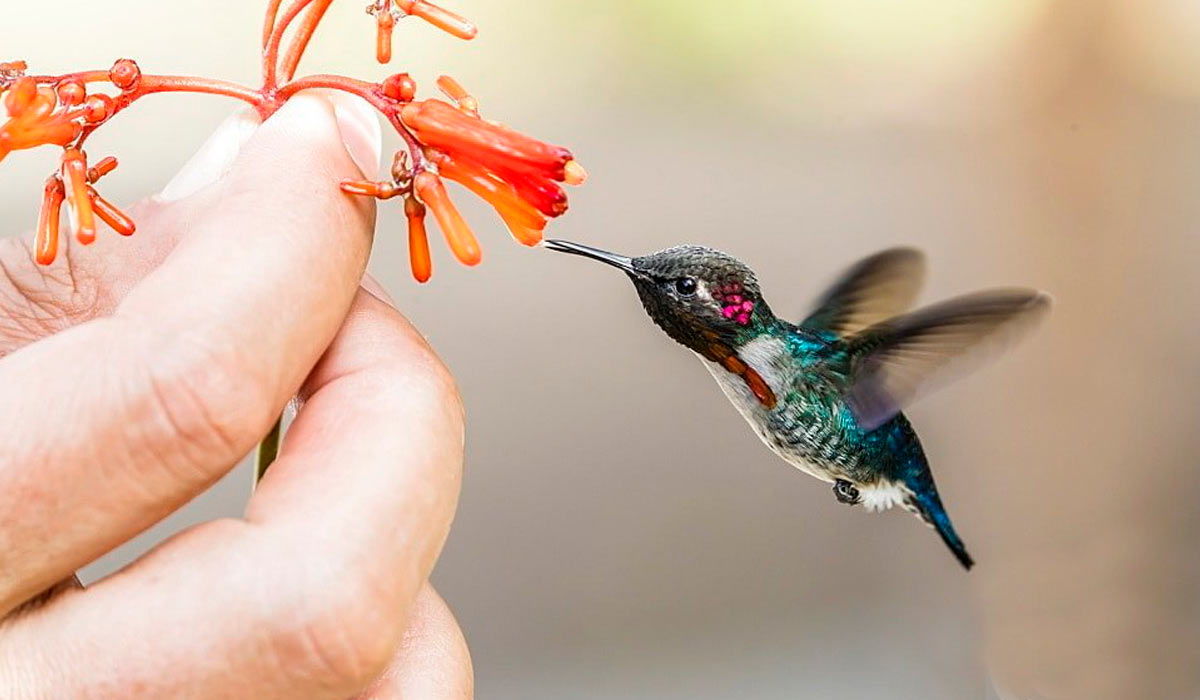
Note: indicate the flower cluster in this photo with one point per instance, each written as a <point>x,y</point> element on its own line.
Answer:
<point>516,174</point>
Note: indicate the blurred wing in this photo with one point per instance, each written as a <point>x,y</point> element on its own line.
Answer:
<point>873,290</point>
<point>896,361</point>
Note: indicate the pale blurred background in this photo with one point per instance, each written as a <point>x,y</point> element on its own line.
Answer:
<point>622,534</point>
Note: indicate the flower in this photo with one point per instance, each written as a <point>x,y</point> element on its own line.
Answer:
<point>35,118</point>
<point>73,184</point>
<point>387,12</point>
<point>517,175</point>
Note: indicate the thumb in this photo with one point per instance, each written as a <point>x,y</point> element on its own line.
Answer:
<point>357,126</point>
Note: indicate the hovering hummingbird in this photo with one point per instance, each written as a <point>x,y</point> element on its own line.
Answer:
<point>826,394</point>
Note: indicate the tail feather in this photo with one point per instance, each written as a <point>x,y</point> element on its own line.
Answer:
<point>927,504</point>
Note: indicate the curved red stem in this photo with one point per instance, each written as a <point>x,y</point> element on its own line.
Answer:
<point>303,35</point>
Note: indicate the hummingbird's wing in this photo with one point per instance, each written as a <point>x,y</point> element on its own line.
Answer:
<point>894,362</point>
<point>872,290</point>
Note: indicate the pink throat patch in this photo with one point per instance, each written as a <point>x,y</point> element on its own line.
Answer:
<point>733,305</point>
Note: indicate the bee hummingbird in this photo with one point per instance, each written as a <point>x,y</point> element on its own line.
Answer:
<point>826,394</point>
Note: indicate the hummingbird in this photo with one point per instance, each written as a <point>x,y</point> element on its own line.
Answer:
<point>826,394</point>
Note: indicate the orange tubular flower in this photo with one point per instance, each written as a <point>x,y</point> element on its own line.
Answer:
<point>46,244</point>
<point>383,36</point>
<point>418,240</point>
<point>444,20</point>
<point>34,119</point>
<point>458,235</point>
<point>79,204</point>
<point>525,222</point>
<point>109,214</point>
<point>517,175</point>
<point>455,91</point>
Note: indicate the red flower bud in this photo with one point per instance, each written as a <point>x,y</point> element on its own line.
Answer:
<point>98,108</point>
<point>125,74</point>
<point>71,93</point>
<point>400,87</point>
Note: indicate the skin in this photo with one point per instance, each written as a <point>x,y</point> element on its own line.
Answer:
<point>137,372</point>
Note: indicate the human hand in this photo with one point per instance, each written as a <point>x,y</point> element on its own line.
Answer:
<point>137,372</point>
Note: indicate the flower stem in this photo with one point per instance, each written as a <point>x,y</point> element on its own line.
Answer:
<point>271,53</point>
<point>303,35</point>
<point>268,450</point>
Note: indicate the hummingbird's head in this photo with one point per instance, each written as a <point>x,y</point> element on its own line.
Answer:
<point>698,295</point>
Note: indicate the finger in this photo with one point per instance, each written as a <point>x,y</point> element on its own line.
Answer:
<point>84,282</point>
<point>433,662</point>
<point>308,596</point>
<point>115,423</point>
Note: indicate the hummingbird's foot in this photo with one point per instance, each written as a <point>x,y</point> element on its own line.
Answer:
<point>846,492</point>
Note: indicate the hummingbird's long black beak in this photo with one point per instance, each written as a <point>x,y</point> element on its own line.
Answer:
<point>618,261</point>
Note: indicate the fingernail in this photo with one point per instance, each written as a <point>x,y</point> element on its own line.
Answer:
<point>214,159</point>
<point>358,125</point>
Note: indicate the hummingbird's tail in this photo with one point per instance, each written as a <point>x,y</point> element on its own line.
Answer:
<point>928,505</point>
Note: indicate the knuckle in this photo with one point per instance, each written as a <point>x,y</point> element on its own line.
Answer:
<point>430,381</point>
<point>345,634</point>
<point>201,411</point>
<point>38,300</point>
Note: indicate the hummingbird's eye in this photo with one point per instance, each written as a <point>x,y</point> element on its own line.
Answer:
<point>686,286</point>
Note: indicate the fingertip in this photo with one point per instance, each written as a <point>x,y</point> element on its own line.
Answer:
<point>316,132</point>
<point>213,159</point>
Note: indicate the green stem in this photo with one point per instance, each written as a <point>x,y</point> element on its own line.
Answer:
<point>268,450</point>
